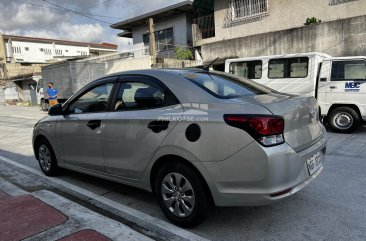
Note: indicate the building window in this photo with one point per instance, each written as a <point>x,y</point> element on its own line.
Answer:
<point>17,50</point>
<point>337,2</point>
<point>26,48</point>
<point>82,53</point>
<point>46,51</point>
<point>164,39</point>
<point>247,69</point>
<point>58,51</point>
<point>288,68</point>
<point>247,9</point>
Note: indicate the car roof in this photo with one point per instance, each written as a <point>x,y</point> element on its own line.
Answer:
<point>155,71</point>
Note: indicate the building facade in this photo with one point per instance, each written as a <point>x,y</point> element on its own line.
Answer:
<point>21,59</point>
<point>172,29</point>
<point>244,28</point>
<point>18,49</point>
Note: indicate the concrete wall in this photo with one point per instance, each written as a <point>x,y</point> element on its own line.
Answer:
<point>14,69</point>
<point>282,14</point>
<point>182,31</point>
<point>2,96</point>
<point>337,38</point>
<point>128,64</point>
<point>2,49</point>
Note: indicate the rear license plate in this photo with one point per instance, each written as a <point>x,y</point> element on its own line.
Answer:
<point>314,163</point>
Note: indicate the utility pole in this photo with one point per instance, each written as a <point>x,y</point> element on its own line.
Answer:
<point>152,41</point>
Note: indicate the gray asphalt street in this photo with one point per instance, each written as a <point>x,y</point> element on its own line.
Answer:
<point>332,208</point>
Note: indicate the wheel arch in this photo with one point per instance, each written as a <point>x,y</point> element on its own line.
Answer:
<point>352,106</point>
<point>163,160</point>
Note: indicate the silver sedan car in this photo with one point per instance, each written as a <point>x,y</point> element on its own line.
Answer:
<point>194,138</point>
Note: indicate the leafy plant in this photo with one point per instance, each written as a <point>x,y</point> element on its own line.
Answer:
<point>183,53</point>
<point>311,21</point>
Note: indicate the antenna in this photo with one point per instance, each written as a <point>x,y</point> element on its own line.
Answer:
<point>208,66</point>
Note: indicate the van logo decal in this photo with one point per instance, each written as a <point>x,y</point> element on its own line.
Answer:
<point>352,87</point>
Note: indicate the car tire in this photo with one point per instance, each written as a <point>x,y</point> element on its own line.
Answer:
<point>182,195</point>
<point>344,120</point>
<point>44,105</point>
<point>46,158</point>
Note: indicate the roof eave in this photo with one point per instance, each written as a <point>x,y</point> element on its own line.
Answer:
<point>124,25</point>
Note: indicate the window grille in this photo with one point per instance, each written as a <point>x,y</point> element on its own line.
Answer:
<point>247,9</point>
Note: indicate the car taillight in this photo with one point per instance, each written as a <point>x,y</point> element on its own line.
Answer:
<point>266,129</point>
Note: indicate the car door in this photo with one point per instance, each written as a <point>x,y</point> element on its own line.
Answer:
<point>347,82</point>
<point>143,112</point>
<point>79,130</point>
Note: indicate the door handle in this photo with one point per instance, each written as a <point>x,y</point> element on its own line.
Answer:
<point>323,80</point>
<point>94,124</point>
<point>332,87</point>
<point>158,126</point>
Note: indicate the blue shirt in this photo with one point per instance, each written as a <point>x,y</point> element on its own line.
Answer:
<point>51,93</point>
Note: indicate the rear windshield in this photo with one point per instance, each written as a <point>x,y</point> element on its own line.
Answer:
<point>226,86</point>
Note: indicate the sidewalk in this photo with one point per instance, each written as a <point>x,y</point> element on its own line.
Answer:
<point>44,215</point>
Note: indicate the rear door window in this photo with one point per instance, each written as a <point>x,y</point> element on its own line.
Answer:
<point>142,93</point>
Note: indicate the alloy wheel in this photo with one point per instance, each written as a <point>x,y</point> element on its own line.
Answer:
<point>178,194</point>
<point>44,157</point>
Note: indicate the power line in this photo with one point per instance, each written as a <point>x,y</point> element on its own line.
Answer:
<point>57,8</point>
<point>33,4</point>
<point>103,16</point>
<point>76,12</point>
<point>67,12</point>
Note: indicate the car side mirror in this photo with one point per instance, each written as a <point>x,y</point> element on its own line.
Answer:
<point>56,110</point>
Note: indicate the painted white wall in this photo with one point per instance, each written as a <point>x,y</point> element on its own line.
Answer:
<point>119,65</point>
<point>181,29</point>
<point>35,55</point>
<point>11,93</point>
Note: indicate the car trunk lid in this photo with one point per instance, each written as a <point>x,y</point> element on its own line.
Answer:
<point>302,126</point>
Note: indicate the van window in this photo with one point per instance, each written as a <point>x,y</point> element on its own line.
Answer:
<point>348,70</point>
<point>247,69</point>
<point>288,68</point>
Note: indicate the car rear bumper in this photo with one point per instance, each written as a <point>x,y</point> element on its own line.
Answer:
<point>258,176</point>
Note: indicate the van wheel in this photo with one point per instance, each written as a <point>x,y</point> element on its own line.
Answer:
<point>344,120</point>
<point>46,158</point>
<point>182,195</point>
<point>44,105</point>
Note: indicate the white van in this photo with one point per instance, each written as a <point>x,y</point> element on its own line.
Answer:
<point>339,84</point>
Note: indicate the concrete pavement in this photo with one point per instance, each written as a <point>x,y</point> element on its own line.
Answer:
<point>44,215</point>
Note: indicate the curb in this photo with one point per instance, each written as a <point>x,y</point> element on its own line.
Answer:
<point>150,226</point>
<point>78,218</point>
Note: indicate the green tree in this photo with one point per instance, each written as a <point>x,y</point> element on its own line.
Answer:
<point>311,21</point>
<point>183,53</point>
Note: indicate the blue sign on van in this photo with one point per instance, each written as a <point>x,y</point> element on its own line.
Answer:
<point>352,86</point>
